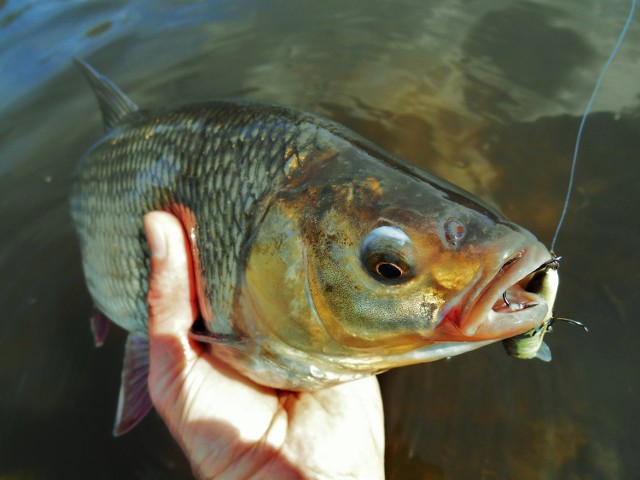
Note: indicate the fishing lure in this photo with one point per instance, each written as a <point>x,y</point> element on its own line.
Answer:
<point>531,343</point>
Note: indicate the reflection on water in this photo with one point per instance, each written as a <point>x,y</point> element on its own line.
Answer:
<point>487,95</point>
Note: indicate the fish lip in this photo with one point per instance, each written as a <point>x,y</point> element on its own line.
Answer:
<point>478,319</point>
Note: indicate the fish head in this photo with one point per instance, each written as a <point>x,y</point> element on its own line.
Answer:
<point>375,263</point>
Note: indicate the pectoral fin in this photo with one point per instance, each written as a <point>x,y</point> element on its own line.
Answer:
<point>200,333</point>
<point>99,328</point>
<point>134,401</point>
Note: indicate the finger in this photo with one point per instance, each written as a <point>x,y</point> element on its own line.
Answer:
<point>172,308</point>
<point>171,297</point>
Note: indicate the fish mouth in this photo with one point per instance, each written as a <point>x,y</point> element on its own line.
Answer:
<point>504,307</point>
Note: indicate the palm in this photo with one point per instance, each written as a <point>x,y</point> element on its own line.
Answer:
<point>230,426</point>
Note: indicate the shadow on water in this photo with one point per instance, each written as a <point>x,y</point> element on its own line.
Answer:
<point>486,95</point>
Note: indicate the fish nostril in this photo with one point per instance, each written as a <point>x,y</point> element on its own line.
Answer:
<point>454,231</point>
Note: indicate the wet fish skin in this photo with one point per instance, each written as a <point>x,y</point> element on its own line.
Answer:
<point>196,162</point>
<point>289,217</point>
<point>344,324</point>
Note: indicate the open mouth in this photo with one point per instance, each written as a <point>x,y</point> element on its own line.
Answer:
<point>510,303</point>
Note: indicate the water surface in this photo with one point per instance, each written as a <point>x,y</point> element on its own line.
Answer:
<point>485,94</point>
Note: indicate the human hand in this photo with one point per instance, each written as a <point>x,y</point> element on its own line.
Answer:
<point>229,426</point>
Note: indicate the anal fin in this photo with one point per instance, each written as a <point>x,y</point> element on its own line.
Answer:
<point>134,402</point>
<point>99,327</point>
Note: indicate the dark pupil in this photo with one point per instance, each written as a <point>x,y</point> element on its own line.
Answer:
<point>388,270</point>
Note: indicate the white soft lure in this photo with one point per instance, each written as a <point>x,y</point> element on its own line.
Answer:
<point>530,344</point>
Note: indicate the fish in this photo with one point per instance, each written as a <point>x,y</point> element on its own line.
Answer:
<point>319,258</point>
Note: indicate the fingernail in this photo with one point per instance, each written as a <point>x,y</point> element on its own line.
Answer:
<point>156,239</point>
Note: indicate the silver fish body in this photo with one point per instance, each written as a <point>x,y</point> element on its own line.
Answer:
<point>318,257</point>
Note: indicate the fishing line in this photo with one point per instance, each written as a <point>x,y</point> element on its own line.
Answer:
<point>576,149</point>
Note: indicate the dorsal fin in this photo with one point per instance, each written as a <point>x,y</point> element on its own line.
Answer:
<point>114,104</point>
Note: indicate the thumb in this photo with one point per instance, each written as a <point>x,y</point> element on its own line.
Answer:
<point>171,296</point>
<point>171,300</point>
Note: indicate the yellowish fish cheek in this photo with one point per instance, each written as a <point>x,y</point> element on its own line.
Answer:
<point>454,274</point>
<point>444,272</point>
<point>357,310</point>
<point>381,318</point>
<point>275,286</point>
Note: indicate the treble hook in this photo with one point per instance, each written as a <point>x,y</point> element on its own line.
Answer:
<point>553,262</point>
<point>572,322</point>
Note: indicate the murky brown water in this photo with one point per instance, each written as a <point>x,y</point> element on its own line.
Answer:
<point>486,94</point>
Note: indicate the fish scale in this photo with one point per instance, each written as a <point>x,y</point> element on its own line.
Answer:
<point>159,171</point>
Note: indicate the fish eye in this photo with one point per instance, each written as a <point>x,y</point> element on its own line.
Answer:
<point>386,253</point>
<point>389,270</point>
<point>387,266</point>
